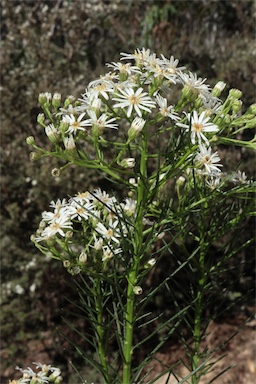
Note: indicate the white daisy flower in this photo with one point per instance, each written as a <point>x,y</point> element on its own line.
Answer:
<point>56,227</point>
<point>50,217</point>
<point>171,65</point>
<point>110,233</point>
<point>208,159</point>
<point>70,110</point>
<point>102,121</point>
<point>101,87</point>
<point>198,125</point>
<point>109,252</point>
<point>137,100</point>
<point>164,110</point>
<point>129,206</point>
<point>58,204</point>
<point>213,182</point>
<point>140,56</point>
<point>80,211</point>
<point>75,124</point>
<point>195,83</point>
<point>239,177</point>
<point>100,196</point>
<point>124,69</point>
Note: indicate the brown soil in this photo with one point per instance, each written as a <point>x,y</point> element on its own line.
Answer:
<point>239,352</point>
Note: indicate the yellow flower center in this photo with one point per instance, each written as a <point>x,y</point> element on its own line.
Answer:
<point>197,127</point>
<point>134,99</point>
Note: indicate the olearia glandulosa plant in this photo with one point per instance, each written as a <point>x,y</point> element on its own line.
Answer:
<point>153,128</point>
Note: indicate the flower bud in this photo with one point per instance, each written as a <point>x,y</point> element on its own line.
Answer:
<point>34,156</point>
<point>40,118</point>
<point>236,105</point>
<point>181,181</point>
<point>132,181</point>
<point>218,88</point>
<point>69,143</point>
<point>151,262</point>
<point>189,93</point>
<point>44,98</point>
<point>83,257</point>
<point>137,290</point>
<point>128,162</point>
<point>69,100</point>
<point>30,140</point>
<point>52,133</point>
<point>252,109</point>
<point>235,93</point>
<point>56,100</point>
<point>66,263</point>
<point>136,127</point>
<point>55,172</point>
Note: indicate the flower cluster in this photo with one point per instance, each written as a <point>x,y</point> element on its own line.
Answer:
<point>88,227</point>
<point>45,374</point>
<point>134,96</point>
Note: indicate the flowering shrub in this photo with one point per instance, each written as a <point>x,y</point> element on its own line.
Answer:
<point>44,374</point>
<point>153,128</point>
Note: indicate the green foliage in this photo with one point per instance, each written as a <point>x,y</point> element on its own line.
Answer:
<point>62,46</point>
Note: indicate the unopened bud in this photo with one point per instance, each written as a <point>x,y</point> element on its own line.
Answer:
<point>56,100</point>
<point>52,133</point>
<point>69,143</point>
<point>235,93</point>
<point>55,172</point>
<point>136,127</point>
<point>181,181</point>
<point>66,263</point>
<point>44,98</point>
<point>69,100</point>
<point>30,140</point>
<point>128,163</point>
<point>40,118</point>
<point>34,156</point>
<point>137,290</point>
<point>218,88</point>
<point>83,257</point>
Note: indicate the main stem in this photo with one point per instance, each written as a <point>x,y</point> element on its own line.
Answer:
<point>100,330</point>
<point>199,303</point>
<point>132,278</point>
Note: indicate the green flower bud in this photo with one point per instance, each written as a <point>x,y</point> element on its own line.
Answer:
<point>69,100</point>
<point>218,88</point>
<point>34,156</point>
<point>97,130</point>
<point>56,100</point>
<point>30,140</point>
<point>83,257</point>
<point>41,118</point>
<point>52,133</point>
<point>128,163</point>
<point>44,98</point>
<point>235,93</point>
<point>252,109</point>
<point>137,290</point>
<point>136,127</point>
<point>236,105</point>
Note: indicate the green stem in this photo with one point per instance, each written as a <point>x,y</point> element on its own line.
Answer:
<point>132,278</point>
<point>200,296</point>
<point>198,315</point>
<point>100,330</point>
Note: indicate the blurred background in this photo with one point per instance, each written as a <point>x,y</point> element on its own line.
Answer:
<point>59,46</point>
